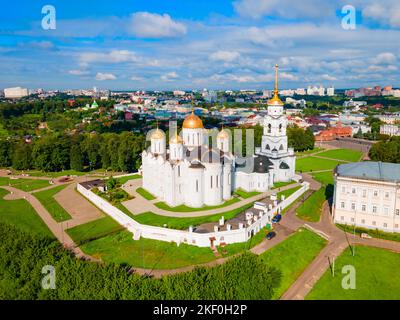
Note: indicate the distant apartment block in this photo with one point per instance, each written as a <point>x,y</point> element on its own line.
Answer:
<point>330,91</point>
<point>367,194</point>
<point>15,93</point>
<point>390,129</point>
<point>389,118</point>
<point>352,103</point>
<point>315,91</point>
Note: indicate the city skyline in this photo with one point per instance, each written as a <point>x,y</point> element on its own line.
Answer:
<point>189,45</point>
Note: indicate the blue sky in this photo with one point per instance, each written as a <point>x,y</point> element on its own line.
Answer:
<point>187,44</point>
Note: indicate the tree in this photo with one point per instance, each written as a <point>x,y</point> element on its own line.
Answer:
<point>5,153</point>
<point>76,157</point>
<point>300,139</point>
<point>386,151</point>
<point>22,156</point>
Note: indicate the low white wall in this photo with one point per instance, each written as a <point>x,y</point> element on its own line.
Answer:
<point>184,236</point>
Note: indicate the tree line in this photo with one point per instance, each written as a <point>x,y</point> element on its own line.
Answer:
<point>386,150</point>
<point>23,255</point>
<point>80,152</point>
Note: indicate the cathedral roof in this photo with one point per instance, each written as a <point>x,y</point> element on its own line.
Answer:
<point>192,122</point>
<point>157,134</point>
<point>223,134</point>
<point>196,165</point>
<point>211,156</point>
<point>261,164</point>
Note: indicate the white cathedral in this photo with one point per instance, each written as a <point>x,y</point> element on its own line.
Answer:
<point>192,173</point>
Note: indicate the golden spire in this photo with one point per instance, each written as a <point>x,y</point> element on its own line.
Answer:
<point>276,81</point>
<point>275,99</point>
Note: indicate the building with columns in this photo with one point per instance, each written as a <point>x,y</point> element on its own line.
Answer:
<point>367,194</point>
<point>193,173</point>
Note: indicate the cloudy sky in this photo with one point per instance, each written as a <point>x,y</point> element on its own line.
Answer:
<point>193,44</point>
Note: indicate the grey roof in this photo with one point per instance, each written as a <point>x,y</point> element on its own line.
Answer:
<point>258,164</point>
<point>370,170</point>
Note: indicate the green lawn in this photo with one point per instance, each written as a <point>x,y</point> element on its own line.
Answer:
<point>145,194</point>
<point>245,194</point>
<point>24,184</point>
<point>308,152</point>
<point>342,154</point>
<point>325,178</point>
<point>184,208</point>
<point>153,219</point>
<point>46,198</point>
<point>120,248</point>
<point>311,209</point>
<point>292,256</point>
<point>392,236</point>
<point>20,214</point>
<point>58,174</point>
<point>122,180</point>
<point>282,184</point>
<point>308,164</point>
<point>235,248</point>
<point>94,229</point>
<point>287,192</point>
<point>376,276</point>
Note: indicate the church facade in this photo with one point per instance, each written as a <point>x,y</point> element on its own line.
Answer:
<point>192,173</point>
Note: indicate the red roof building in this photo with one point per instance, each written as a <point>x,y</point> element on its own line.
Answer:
<point>333,133</point>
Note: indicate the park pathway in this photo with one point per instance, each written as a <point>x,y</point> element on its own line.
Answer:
<point>140,205</point>
<point>56,228</point>
<point>338,241</point>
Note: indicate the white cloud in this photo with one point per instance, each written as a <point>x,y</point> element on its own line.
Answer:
<point>78,72</point>
<point>328,77</point>
<point>385,58</point>
<point>386,13</point>
<point>136,78</point>
<point>115,56</point>
<point>287,9</point>
<point>105,76</point>
<point>152,25</point>
<point>226,56</point>
<point>170,76</point>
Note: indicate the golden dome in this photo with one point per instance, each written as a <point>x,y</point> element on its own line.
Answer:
<point>192,122</point>
<point>223,134</point>
<point>157,134</point>
<point>275,101</point>
<point>176,139</point>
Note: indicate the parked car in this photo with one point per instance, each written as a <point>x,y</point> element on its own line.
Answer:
<point>270,235</point>
<point>277,218</point>
<point>365,236</point>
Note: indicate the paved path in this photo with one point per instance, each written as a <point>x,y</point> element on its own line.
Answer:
<point>56,228</point>
<point>79,208</point>
<point>140,205</point>
<point>338,242</point>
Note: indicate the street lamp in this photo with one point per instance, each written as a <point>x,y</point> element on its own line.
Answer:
<point>354,232</point>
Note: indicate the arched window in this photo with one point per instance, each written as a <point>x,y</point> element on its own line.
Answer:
<point>281,147</point>
<point>280,127</point>
<point>269,128</point>
<point>267,147</point>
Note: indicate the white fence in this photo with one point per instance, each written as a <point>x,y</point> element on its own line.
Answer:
<point>188,236</point>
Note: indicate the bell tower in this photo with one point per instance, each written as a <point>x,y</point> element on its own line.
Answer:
<point>274,140</point>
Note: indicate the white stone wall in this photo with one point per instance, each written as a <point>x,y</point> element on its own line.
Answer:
<point>182,236</point>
